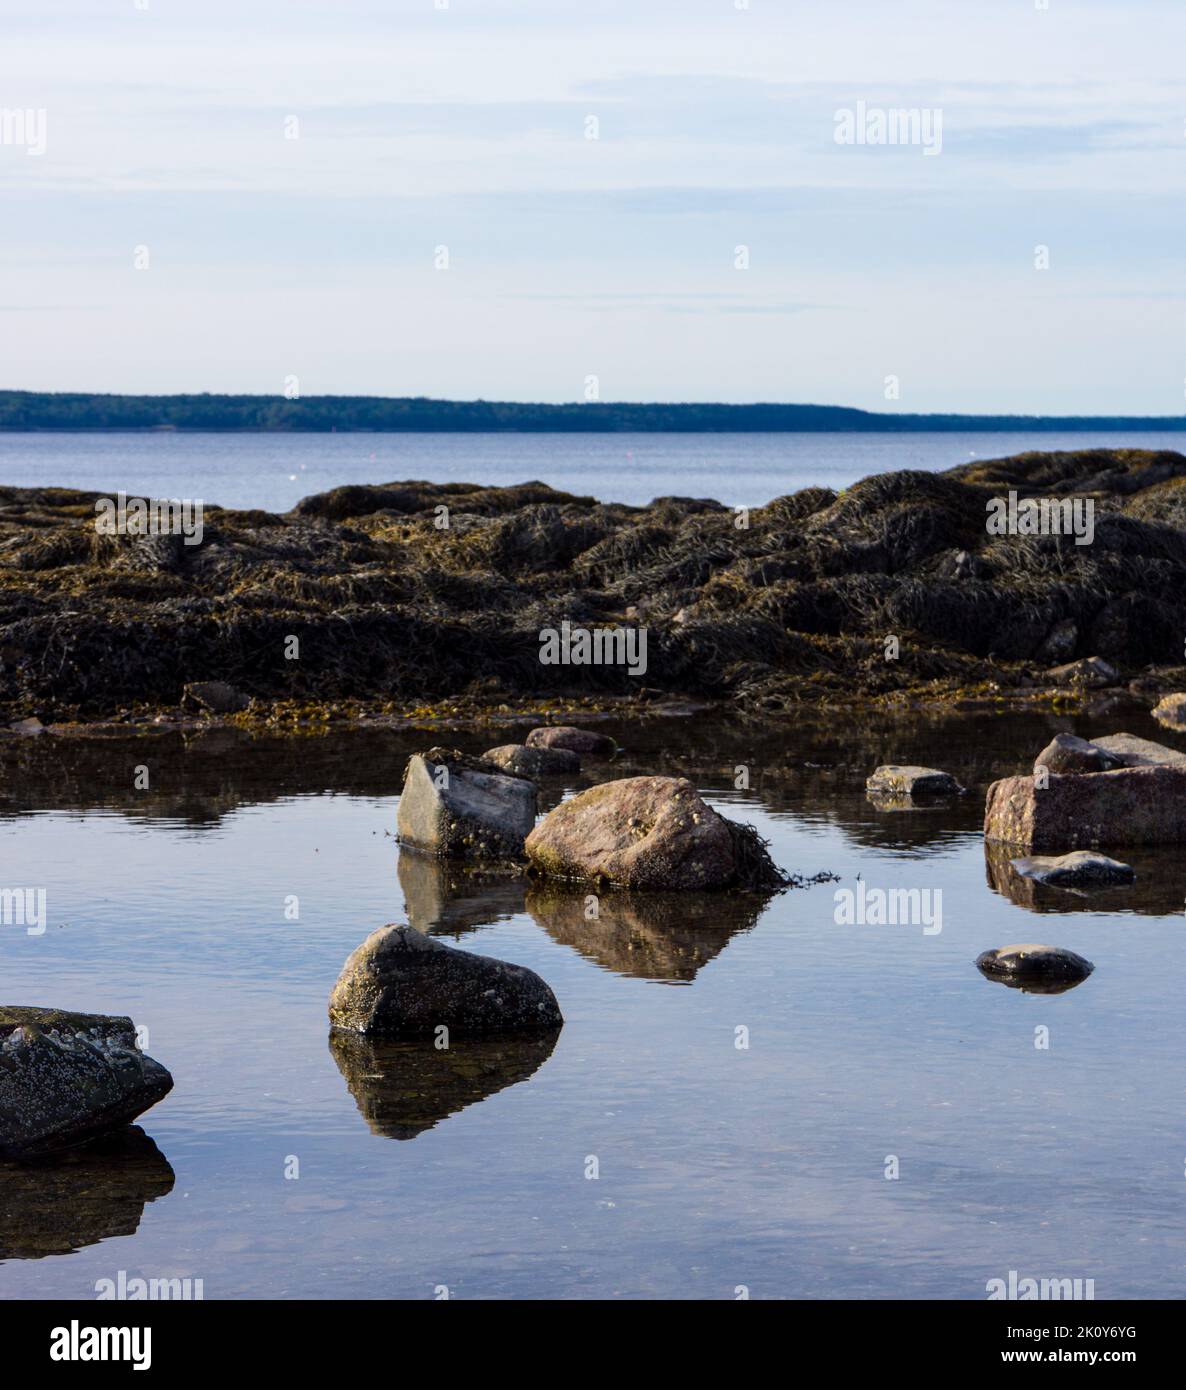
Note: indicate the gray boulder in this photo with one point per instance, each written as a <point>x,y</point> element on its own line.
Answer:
<point>456,806</point>
<point>575,740</point>
<point>522,761</point>
<point>1131,751</point>
<point>1079,869</point>
<point>401,984</point>
<point>66,1078</point>
<point>1065,753</point>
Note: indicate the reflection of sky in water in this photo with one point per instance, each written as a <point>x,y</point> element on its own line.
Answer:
<point>718,1166</point>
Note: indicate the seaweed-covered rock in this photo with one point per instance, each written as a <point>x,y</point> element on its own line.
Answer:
<point>401,984</point>
<point>1066,753</point>
<point>1079,869</point>
<point>525,761</point>
<point>649,833</point>
<point>66,1078</point>
<point>585,741</point>
<point>453,805</point>
<point>1036,964</point>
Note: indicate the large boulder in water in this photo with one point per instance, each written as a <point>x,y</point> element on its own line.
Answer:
<point>1143,805</point>
<point>1034,965</point>
<point>401,984</point>
<point>650,833</point>
<point>453,805</point>
<point>66,1078</point>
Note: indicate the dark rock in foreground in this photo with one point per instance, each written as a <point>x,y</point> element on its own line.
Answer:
<point>454,805</point>
<point>404,1088</point>
<point>649,833</point>
<point>399,983</point>
<point>1079,869</point>
<point>1035,966</point>
<point>526,761</point>
<point>66,1078</point>
<point>574,740</point>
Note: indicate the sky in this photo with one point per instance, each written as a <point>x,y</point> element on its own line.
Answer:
<point>616,199</point>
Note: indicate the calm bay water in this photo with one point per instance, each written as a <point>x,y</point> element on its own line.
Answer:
<point>274,471</point>
<point>719,1166</point>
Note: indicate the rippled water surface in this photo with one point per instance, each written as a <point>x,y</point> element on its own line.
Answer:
<point>718,1165</point>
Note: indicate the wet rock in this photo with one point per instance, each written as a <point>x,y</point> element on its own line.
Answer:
<point>399,983</point>
<point>1142,805</point>
<point>404,1088</point>
<point>524,761</point>
<point>1065,753</point>
<point>896,782</point>
<point>453,805</point>
<point>575,740</point>
<point>1092,672</point>
<point>1034,965</point>
<point>1171,711</point>
<point>1079,869</point>
<point>215,696</point>
<point>66,1078</point>
<point>649,833</point>
<point>81,1196</point>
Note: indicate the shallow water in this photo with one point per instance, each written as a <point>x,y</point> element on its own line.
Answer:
<point>719,1166</point>
<point>275,471</point>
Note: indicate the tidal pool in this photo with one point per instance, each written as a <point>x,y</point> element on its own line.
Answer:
<point>734,1080</point>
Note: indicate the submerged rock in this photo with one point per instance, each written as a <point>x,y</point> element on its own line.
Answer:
<point>526,761</point>
<point>574,740</point>
<point>454,805</point>
<point>1079,869</point>
<point>399,983</point>
<point>895,782</point>
<point>1171,711</point>
<point>215,696</point>
<point>1032,965</point>
<point>1065,753</point>
<point>66,1078</point>
<point>650,833</point>
<point>1144,805</point>
<point>403,1088</point>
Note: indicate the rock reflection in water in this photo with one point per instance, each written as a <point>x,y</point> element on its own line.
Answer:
<point>446,898</point>
<point>655,936</point>
<point>1159,890</point>
<point>404,1088</point>
<point>84,1196</point>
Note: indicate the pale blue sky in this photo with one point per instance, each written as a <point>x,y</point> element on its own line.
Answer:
<point>466,127</point>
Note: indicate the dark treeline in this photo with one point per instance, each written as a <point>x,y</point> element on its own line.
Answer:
<point>35,410</point>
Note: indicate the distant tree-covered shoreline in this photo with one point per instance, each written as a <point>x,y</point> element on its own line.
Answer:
<point>35,410</point>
